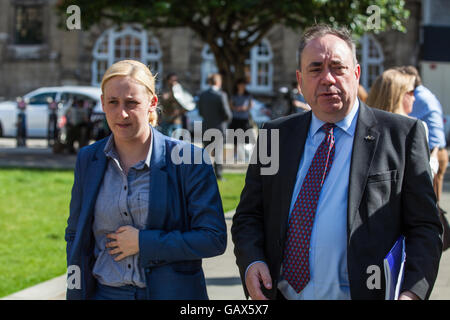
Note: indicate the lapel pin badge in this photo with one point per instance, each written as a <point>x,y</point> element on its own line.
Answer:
<point>369,138</point>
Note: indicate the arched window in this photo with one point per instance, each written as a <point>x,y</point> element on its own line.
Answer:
<point>259,67</point>
<point>130,42</point>
<point>371,60</point>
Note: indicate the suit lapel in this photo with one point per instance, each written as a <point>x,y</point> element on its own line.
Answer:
<point>364,147</point>
<point>158,182</point>
<point>94,176</point>
<point>291,153</point>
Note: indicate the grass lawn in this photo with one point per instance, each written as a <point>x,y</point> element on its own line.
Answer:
<point>33,213</point>
<point>34,206</point>
<point>230,190</point>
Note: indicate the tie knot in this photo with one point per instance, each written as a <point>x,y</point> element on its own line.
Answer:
<point>328,128</point>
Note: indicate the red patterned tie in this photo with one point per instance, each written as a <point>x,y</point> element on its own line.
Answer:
<point>296,252</point>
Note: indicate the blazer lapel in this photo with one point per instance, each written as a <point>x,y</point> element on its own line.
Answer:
<point>94,176</point>
<point>364,147</point>
<point>289,162</point>
<point>158,182</point>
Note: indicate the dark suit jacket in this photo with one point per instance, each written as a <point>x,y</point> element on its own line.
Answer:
<point>390,193</point>
<point>185,221</point>
<point>214,108</point>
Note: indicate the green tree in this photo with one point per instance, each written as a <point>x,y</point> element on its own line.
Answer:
<point>242,24</point>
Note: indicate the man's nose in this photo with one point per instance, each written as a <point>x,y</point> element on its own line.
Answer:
<point>327,77</point>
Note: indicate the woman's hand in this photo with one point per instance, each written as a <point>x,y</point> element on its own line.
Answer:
<point>125,242</point>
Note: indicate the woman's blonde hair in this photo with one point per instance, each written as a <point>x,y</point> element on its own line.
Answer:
<point>137,71</point>
<point>388,90</point>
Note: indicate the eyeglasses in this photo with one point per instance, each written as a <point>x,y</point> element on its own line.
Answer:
<point>410,92</point>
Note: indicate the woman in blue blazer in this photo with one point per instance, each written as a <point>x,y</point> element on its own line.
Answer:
<point>140,222</point>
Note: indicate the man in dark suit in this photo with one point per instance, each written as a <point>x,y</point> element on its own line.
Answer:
<point>352,180</point>
<point>216,113</point>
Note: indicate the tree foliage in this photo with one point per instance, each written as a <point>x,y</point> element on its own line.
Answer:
<point>241,24</point>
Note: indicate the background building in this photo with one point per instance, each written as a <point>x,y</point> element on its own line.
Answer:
<point>34,52</point>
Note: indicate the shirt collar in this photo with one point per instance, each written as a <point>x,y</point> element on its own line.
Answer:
<point>111,152</point>
<point>345,124</point>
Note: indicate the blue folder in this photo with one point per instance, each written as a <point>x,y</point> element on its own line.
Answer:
<point>393,269</point>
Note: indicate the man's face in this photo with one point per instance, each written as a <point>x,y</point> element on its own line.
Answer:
<point>218,82</point>
<point>127,105</point>
<point>172,81</point>
<point>328,78</point>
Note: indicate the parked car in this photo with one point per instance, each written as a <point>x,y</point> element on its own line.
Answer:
<point>37,111</point>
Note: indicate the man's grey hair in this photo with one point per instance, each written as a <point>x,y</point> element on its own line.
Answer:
<point>320,30</point>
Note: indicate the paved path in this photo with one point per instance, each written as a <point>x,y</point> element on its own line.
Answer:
<point>222,276</point>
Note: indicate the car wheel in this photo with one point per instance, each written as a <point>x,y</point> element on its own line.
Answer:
<point>1,130</point>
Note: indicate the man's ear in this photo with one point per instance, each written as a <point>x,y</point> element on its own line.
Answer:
<point>298,73</point>
<point>357,72</point>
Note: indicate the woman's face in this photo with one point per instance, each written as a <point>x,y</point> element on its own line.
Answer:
<point>408,101</point>
<point>241,88</point>
<point>127,105</point>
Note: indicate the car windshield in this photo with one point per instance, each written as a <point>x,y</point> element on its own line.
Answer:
<point>42,98</point>
<point>68,98</point>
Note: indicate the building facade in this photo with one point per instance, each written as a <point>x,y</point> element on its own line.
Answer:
<point>36,52</point>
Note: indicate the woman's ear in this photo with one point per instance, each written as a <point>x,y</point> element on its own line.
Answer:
<point>153,103</point>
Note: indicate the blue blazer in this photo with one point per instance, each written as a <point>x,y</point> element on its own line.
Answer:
<point>185,222</point>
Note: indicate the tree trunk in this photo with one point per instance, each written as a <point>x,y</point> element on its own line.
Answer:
<point>231,65</point>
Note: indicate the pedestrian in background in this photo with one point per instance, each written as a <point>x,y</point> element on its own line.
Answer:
<point>21,124</point>
<point>241,103</point>
<point>172,112</point>
<point>427,108</point>
<point>297,101</point>
<point>215,110</point>
<point>393,91</point>
<point>140,224</point>
<point>77,125</point>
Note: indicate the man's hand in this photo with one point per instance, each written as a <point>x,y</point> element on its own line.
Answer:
<point>125,242</point>
<point>256,273</point>
<point>408,295</point>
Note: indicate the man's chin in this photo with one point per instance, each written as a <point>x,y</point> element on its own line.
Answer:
<point>333,112</point>
<point>332,108</point>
